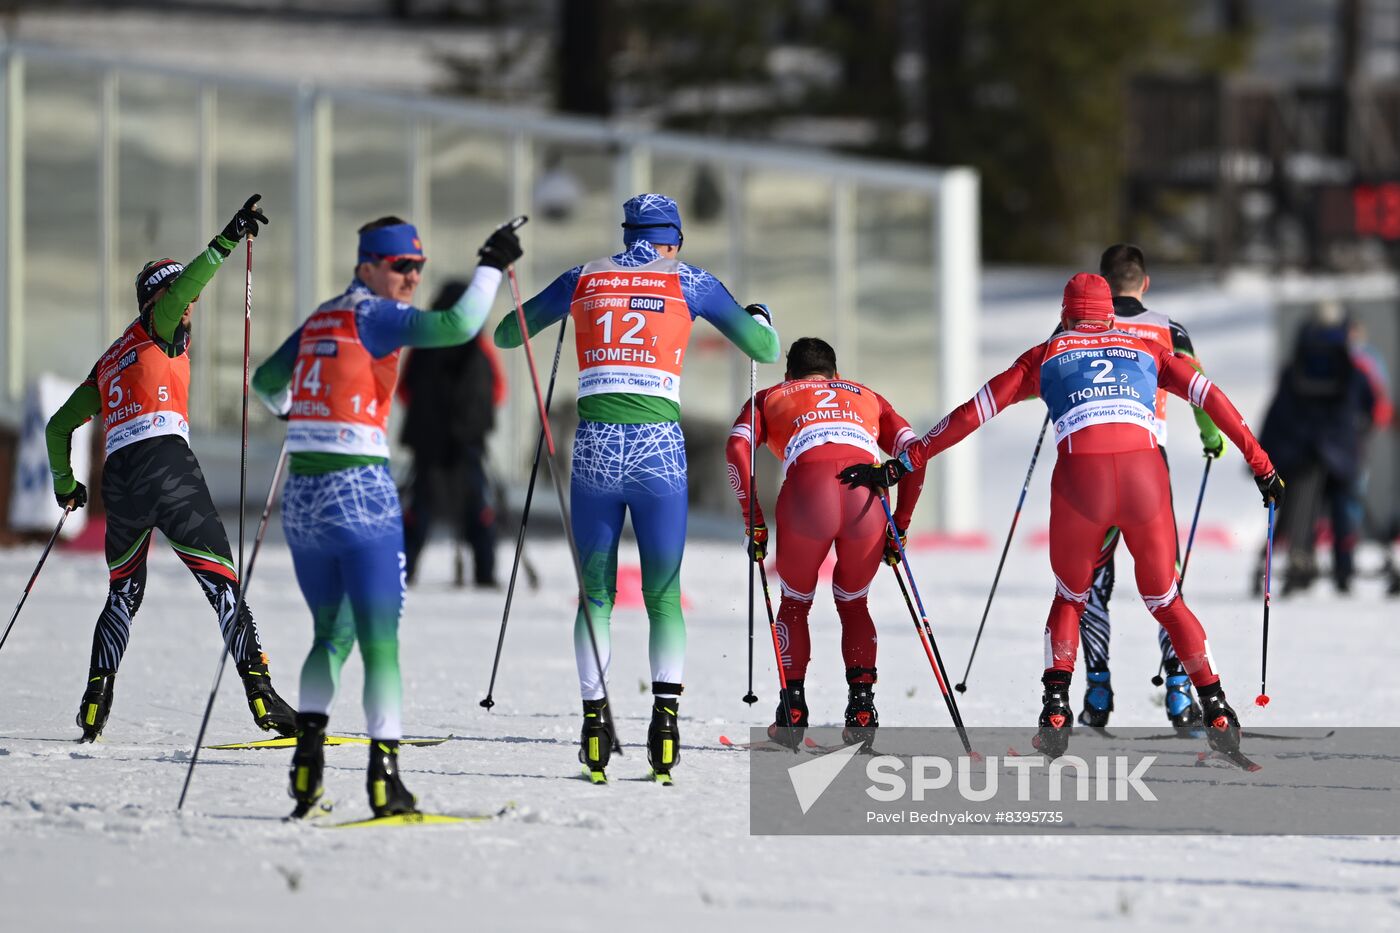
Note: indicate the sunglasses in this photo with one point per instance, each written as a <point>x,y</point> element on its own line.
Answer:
<point>403,265</point>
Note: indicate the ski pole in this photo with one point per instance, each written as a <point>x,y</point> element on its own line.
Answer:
<point>67,510</point>
<point>559,489</point>
<point>242,509</point>
<point>1191,538</point>
<point>1157,680</point>
<point>751,698</point>
<point>1035,455</point>
<point>488,702</point>
<point>925,632</point>
<point>777,646</point>
<point>1263,698</point>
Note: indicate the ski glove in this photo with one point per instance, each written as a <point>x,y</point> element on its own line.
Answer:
<point>1214,446</point>
<point>1270,487</point>
<point>501,248</point>
<point>77,495</point>
<point>758,543</point>
<point>881,475</point>
<point>760,310</point>
<point>244,223</point>
<point>891,547</point>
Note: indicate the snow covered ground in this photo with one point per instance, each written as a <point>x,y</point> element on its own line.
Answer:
<point>88,834</point>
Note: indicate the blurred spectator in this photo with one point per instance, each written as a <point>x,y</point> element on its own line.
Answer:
<point>1384,528</point>
<point>451,395</point>
<point>1324,408</point>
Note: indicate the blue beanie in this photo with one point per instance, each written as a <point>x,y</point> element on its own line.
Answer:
<point>398,240</point>
<point>651,217</point>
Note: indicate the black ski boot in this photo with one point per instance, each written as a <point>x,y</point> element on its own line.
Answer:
<point>308,761</point>
<point>1222,725</point>
<point>387,795</point>
<point>1098,700</point>
<point>664,733</point>
<point>1056,718</point>
<point>790,718</point>
<point>96,704</point>
<point>595,744</point>
<point>270,712</point>
<point>861,718</point>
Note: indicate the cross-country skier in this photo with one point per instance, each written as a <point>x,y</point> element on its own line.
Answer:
<point>1125,269</point>
<point>632,313</point>
<point>151,479</point>
<point>1100,386</point>
<point>815,421</point>
<point>333,380</point>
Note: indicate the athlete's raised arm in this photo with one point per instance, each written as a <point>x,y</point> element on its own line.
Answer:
<point>548,307</point>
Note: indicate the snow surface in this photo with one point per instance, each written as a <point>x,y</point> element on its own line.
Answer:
<point>89,834</point>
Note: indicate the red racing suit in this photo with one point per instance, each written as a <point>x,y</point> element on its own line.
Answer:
<point>1100,387</point>
<point>818,426</point>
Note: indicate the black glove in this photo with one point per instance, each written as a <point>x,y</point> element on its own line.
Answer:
<point>892,548</point>
<point>758,543</point>
<point>244,223</point>
<point>501,248</point>
<point>760,310</point>
<point>1270,487</point>
<point>875,475</point>
<point>1214,447</point>
<point>77,496</point>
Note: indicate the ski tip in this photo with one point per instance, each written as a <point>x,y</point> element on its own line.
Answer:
<point>809,742</point>
<point>726,741</point>
<point>595,777</point>
<point>975,755</point>
<point>1261,700</point>
<point>402,819</point>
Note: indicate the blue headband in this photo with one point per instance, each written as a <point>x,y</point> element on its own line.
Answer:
<point>398,240</point>
<point>651,217</point>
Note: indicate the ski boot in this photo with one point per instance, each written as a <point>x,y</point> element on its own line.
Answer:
<point>790,718</point>
<point>861,717</point>
<point>595,744</point>
<point>96,704</point>
<point>387,795</point>
<point>1182,710</point>
<point>270,711</point>
<point>307,763</point>
<point>1222,725</point>
<point>1098,700</point>
<point>664,734</point>
<point>1056,718</point>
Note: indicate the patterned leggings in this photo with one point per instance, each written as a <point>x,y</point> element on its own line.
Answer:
<point>346,536</point>
<point>157,483</point>
<point>637,468</point>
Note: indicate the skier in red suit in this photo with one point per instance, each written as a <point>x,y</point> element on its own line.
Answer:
<point>1099,384</point>
<point>815,422</point>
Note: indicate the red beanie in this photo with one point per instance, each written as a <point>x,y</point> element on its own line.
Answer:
<point>1087,298</point>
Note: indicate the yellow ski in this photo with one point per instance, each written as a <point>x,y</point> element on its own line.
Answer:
<point>290,742</point>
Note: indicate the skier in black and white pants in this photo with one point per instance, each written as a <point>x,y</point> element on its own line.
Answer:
<point>140,389</point>
<point>1125,268</point>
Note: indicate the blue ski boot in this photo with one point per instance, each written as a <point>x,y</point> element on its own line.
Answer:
<point>1098,700</point>
<point>1182,710</point>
